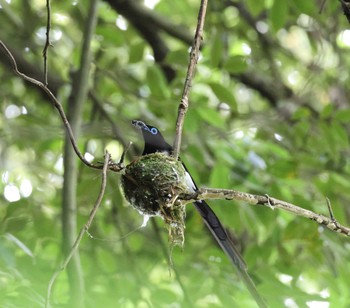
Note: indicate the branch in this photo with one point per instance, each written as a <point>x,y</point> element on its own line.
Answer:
<point>33,70</point>
<point>55,102</point>
<point>183,106</point>
<point>115,167</point>
<point>47,43</point>
<point>212,193</point>
<point>82,231</point>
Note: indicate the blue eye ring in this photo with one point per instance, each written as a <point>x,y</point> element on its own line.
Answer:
<point>154,131</point>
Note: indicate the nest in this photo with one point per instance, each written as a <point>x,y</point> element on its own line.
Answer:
<point>152,184</point>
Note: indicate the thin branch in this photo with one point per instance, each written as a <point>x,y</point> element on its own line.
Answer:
<point>112,166</point>
<point>330,210</point>
<point>55,102</point>
<point>194,55</point>
<point>47,43</point>
<point>322,7</point>
<point>82,231</point>
<point>31,69</point>
<point>273,203</point>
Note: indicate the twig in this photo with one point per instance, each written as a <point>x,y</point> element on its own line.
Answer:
<point>330,209</point>
<point>82,231</point>
<point>183,106</point>
<point>112,166</point>
<point>211,193</point>
<point>331,213</point>
<point>122,157</point>
<point>55,102</point>
<point>322,7</point>
<point>47,43</point>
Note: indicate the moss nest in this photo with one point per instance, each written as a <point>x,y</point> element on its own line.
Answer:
<point>152,184</point>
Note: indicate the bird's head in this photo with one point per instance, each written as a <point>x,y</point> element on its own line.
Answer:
<point>154,140</point>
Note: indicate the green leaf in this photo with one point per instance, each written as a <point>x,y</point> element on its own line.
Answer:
<point>342,115</point>
<point>327,111</point>
<point>301,113</point>
<point>157,83</point>
<point>255,7</point>
<point>301,131</point>
<point>211,116</point>
<point>223,94</point>
<point>306,7</point>
<point>278,14</point>
<point>136,52</point>
<point>178,57</point>
<point>341,181</point>
<point>219,176</point>
<point>236,64</point>
<point>216,51</point>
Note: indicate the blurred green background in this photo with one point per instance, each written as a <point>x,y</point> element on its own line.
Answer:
<point>269,114</point>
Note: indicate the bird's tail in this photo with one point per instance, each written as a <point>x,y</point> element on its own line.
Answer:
<point>218,231</point>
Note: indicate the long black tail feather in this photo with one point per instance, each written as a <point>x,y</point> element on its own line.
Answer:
<point>218,231</point>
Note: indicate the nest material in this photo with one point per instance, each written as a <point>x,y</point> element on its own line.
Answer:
<point>152,185</point>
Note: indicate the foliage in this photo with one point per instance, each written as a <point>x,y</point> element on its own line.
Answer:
<point>268,114</point>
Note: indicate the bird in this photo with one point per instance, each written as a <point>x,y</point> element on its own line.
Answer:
<point>154,142</point>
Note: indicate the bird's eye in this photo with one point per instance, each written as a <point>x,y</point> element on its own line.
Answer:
<point>154,131</point>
